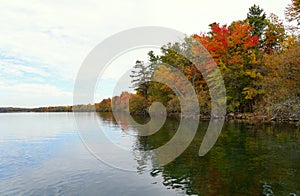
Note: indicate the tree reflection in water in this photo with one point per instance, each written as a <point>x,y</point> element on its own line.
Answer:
<point>245,160</point>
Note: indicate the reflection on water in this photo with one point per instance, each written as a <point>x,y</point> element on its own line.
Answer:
<point>244,161</point>
<point>43,154</point>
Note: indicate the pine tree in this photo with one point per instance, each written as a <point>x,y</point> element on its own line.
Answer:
<point>257,18</point>
<point>141,75</point>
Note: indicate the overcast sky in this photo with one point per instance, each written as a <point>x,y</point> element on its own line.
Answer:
<point>43,43</point>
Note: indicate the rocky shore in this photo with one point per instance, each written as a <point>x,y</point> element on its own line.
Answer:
<point>261,118</point>
<point>249,118</point>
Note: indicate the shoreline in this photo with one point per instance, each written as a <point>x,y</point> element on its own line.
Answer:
<point>249,118</point>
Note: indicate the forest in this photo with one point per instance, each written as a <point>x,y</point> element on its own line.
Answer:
<point>258,57</point>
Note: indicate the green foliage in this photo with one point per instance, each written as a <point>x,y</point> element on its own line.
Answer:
<point>173,106</point>
<point>138,104</point>
<point>140,76</point>
<point>234,50</point>
<point>257,18</point>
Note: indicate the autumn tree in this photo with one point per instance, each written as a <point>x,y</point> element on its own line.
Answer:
<point>283,78</point>
<point>104,105</point>
<point>292,15</point>
<point>161,92</point>
<point>233,49</point>
<point>177,55</point>
<point>292,12</point>
<point>120,103</point>
<point>274,35</point>
<point>137,104</point>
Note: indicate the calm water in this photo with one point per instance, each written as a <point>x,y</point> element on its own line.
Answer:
<point>42,154</point>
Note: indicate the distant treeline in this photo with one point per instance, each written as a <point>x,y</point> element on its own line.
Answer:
<point>136,104</point>
<point>11,109</point>
<point>77,108</point>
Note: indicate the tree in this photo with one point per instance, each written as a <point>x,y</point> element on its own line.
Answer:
<point>257,18</point>
<point>137,104</point>
<point>283,78</point>
<point>233,49</point>
<point>141,75</point>
<point>292,12</point>
<point>120,103</point>
<point>104,105</point>
<point>274,35</point>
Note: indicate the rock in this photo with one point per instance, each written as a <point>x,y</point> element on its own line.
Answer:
<point>239,116</point>
<point>230,115</point>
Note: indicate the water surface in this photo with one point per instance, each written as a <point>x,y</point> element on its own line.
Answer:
<point>42,153</point>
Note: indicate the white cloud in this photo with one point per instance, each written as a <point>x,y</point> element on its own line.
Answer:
<point>9,67</point>
<point>57,36</point>
<point>32,95</point>
<point>35,90</point>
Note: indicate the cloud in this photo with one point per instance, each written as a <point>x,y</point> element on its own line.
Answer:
<point>47,41</point>
<point>35,90</point>
<point>32,95</point>
<point>12,67</point>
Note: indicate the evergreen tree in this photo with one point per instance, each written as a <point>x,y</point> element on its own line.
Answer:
<point>257,18</point>
<point>141,76</point>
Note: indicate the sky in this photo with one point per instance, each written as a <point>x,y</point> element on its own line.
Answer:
<point>43,43</point>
